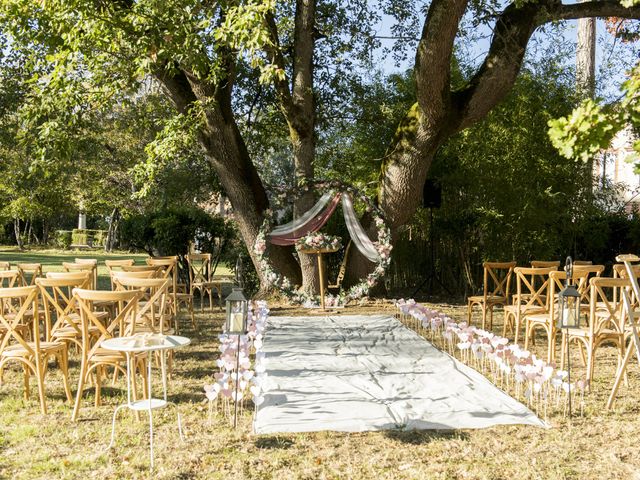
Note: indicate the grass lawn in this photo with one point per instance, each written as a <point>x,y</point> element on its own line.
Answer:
<point>597,445</point>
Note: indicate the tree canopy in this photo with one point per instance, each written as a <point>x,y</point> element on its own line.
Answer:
<point>245,77</point>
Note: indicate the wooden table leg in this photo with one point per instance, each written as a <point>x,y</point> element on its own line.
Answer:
<point>321,275</point>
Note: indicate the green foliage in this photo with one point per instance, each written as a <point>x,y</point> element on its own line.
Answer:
<point>169,231</point>
<point>509,195</point>
<point>63,239</point>
<point>591,127</point>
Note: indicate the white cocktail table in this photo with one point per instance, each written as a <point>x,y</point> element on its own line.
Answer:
<point>130,349</point>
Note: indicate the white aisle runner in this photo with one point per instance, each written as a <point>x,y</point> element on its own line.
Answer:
<point>356,373</point>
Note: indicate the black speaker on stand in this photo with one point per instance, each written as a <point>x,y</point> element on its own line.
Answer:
<point>431,198</point>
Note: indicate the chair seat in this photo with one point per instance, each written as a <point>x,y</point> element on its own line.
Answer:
<point>104,355</point>
<point>538,317</point>
<point>69,332</point>
<point>18,350</point>
<point>525,309</point>
<point>584,332</point>
<point>490,299</point>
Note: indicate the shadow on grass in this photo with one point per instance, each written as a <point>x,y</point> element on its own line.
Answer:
<point>421,437</point>
<point>274,443</point>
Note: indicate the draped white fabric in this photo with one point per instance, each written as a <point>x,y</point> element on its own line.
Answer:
<point>295,224</point>
<point>358,236</point>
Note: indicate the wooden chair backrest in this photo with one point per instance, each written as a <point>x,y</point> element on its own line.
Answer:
<point>5,265</point>
<point>199,267</point>
<point>580,279</point>
<point>29,272</point>
<point>17,301</point>
<point>9,278</point>
<point>57,295</point>
<point>154,294</point>
<point>619,270</point>
<point>116,265</point>
<point>605,309</point>
<point>90,261</point>
<point>121,324</point>
<point>170,269</point>
<point>532,285</point>
<point>577,263</point>
<point>142,268</point>
<point>82,267</point>
<point>497,278</point>
<point>545,263</point>
<point>144,274</point>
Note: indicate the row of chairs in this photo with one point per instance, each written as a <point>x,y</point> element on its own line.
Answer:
<point>534,306</point>
<point>42,317</point>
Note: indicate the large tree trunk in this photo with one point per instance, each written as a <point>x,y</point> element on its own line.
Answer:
<point>224,146</point>
<point>298,107</point>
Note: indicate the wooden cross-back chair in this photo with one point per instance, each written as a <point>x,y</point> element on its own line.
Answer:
<point>545,263</point>
<point>62,320</point>
<point>343,269</point>
<point>90,261</point>
<point>5,265</point>
<point>530,297</point>
<point>96,359</point>
<point>29,272</point>
<point>116,266</point>
<point>177,293</point>
<point>32,354</point>
<point>9,278</point>
<point>547,320</point>
<point>496,286</point>
<point>605,325</point>
<point>579,263</point>
<point>152,314</point>
<point>82,267</point>
<point>201,278</point>
<point>143,268</point>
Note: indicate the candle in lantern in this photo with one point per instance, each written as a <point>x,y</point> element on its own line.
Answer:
<point>236,322</point>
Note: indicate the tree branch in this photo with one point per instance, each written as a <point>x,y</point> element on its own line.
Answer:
<point>602,9</point>
<point>433,58</point>
<point>274,53</point>
<point>498,72</point>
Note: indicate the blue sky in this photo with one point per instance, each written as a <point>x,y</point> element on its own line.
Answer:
<point>612,57</point>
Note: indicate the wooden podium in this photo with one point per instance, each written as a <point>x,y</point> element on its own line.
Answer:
<point>318,253</point>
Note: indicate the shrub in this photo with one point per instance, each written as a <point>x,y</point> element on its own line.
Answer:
<point>169,231</point>
<point>63,238</point>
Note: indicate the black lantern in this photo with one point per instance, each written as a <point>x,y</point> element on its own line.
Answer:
<point>236,323</point>
<point>569,301</point>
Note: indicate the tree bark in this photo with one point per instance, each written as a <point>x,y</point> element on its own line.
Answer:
<point>224,146</point>
<point>298,107</point>
<point>18,235</point>
<point>586,57</point>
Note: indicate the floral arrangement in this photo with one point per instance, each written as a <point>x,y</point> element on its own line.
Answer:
<point>511,368</point>
<point>251,373</point>
<point>356,292</point>
<point>319,241</point>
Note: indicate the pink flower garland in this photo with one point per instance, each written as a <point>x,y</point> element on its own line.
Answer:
<point>250,375</point>
<point>510,366</point>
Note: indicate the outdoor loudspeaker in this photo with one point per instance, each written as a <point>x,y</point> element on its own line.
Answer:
<point>432,194</point>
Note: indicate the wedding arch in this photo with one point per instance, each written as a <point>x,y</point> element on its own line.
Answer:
<point>332,192</point>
